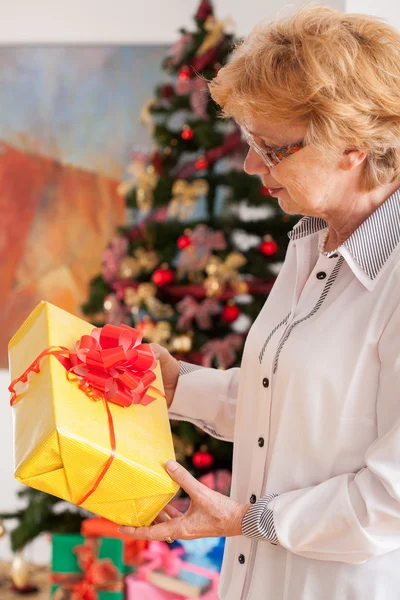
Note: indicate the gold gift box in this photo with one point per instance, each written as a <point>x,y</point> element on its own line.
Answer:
<point>62,437</point>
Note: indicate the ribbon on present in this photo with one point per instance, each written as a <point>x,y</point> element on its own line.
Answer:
<point>97,574</point>
<point>160,556</point>
<point>101,527</point>
<point>202,312</point>
<point>223,350</point>
<point>112,365</point>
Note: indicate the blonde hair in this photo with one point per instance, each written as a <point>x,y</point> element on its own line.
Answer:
<point>337,73</point>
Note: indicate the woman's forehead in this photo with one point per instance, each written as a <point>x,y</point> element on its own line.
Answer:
<point>275,133</point>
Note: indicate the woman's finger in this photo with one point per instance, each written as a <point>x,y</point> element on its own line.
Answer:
<point>157,532</point>
<point>172,512</point>
<point>187,482</point>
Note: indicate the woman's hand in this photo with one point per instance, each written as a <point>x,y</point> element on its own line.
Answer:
<point>210,513</point>
<point>169,370</point>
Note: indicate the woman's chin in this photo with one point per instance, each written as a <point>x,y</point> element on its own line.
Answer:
<point>287,205</point>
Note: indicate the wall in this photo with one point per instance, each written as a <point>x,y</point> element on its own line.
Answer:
<point>122,21</point>
<point>125,22</point>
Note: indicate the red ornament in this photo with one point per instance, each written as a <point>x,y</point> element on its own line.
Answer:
<point>187,134</point>
<point>167,91</point>
<point>268,247</point>
<point>184,72</point>
<point>162,276</point>
<point>201,163</point>
<point>184,241</point>
<point>230,313</point>
<point>203,460</point>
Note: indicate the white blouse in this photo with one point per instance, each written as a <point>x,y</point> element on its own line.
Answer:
<point>314,414</point>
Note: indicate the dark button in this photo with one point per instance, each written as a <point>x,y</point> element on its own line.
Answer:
<point>253,499</point>
<point>261,442</point>
<point>334,255</point>
<point>266,382</point>
<point>241,559</point>
<point>321,275</point>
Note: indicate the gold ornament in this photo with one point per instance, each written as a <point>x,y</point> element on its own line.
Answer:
<point>182,343</point>
<point>145,294</point>
<point>240,286</point>
<point>182,448</point>
<point>179,447</point>
<point>142,260</point>
<point>129,268</point>
<point>146,116</point>
<point>215,29</point>
<point>148,259</point>
<point>145,180</point>
<point>20,572</point>
<point>220,273</point>
<point>213,286</point>
<point>156,332</point>
<point>185,196</point>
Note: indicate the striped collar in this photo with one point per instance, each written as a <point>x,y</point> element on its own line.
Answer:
<point>372,243</point>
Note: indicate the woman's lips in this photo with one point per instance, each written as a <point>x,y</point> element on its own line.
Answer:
<point>274,191</point>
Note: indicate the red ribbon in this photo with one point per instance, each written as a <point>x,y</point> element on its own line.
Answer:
<point>160,556</point>
<point>97,574</point>
<point>111,364</point>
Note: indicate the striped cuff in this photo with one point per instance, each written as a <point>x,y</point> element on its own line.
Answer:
<point>258,522</point>
<point>185,368</point>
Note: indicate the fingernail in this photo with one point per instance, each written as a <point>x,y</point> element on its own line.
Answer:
<point>172,465</point>
<point>125,529</point>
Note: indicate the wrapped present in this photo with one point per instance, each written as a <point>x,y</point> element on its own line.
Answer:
<point>166,570</point>
<point>137,589</point>
<point>90,418</point>
<point>98,526</point>
<point>86,568</point>
<point>205,552</point>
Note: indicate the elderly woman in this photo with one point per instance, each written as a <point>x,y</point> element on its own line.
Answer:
<point>314,410</point>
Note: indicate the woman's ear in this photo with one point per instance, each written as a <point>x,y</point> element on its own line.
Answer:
<point>352,159</point>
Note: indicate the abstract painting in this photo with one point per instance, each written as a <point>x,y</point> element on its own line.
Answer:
<point>69,121</point>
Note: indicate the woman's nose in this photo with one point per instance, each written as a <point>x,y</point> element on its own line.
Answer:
<point>254,164</point>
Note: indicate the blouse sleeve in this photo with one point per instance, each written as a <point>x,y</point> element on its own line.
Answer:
<point>207,398</point>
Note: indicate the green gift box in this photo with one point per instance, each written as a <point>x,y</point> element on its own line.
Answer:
<point>80,562</point>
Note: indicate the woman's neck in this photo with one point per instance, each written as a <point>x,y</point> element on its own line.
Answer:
<point>343,225</point>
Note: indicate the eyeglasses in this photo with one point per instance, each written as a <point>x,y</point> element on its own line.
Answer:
<point>270,155</point>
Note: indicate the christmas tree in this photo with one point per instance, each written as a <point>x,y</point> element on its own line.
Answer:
<point>42,513</point>
<point>204,241</point>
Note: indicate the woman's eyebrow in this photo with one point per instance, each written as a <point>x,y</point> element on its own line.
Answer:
<point>260,135</point>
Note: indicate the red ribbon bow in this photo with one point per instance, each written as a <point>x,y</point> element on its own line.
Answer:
<point>97,574</point>
<point>113,363</point>
<point>161,557</point>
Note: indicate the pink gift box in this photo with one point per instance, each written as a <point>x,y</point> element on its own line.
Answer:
<point>142,590</point>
